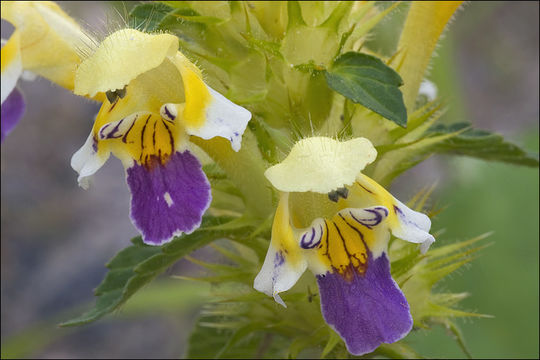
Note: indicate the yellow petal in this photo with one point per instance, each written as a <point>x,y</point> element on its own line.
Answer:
<point>321,164</point>
<point>134,127</point>
<point>50,39</point>
<point>284,262</point>
<point>143,137</point>
<point>11,64</point>
<point>405,223</point>
<point>344,242</point>
<point>146,93</point>
<point>120,58</point>
<point>206,113</point>
<point>197,93</point>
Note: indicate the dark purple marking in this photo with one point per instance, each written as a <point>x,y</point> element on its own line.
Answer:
<point>171,117</point>
<point>404,219</point>
<point>154,135</point>
<point>348,271</point>
<point>124,138</point>
<point>279,259</point>
<point>363,187</point>
<point>303,242</point>
<point>311,243</point>
<point>380,208</point>
<point>112,133</point>
<point>103,128</point>
<point>143,130</point>
<point>366,310</point>
<point>182,178</point>
<point>369,223</point>
<point>94,144</point>
<point>171,138</point>
<point>12,111</point>
<point>113,103</point>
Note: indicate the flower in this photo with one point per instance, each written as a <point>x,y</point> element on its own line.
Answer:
<point>46,42</point>
<point>155,100</point>
<point>13,104</point>
<point>337,221</point>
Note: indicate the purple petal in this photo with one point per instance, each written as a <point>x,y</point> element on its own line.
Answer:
<point>12,110</point>
<point>368,310</point>
<point>168,199</point>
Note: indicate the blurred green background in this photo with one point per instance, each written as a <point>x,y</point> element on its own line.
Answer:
<point>56,237</point>
<point>490,75</point>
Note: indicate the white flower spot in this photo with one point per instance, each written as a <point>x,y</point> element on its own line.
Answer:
<point>428,89</point>
<point>168,199</point>
<point>169,112</point>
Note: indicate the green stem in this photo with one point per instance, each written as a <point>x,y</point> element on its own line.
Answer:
<point>245,169</point>
<point>424,25</point>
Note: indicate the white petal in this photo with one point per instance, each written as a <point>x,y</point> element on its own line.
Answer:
<point>11,65</point>
<point>28,75</point>
<point>414,226</point>
<point>86,161</point>
<point>404,223</point>
<point>285,261</point>
<point>206,113</point>
<point>223,118</point>
<point>277,274</point>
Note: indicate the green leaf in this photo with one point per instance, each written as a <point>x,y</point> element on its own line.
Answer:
<point>154,16</point>
<point>397,350</point>
<point>333,340</point>
<point>458,336</point>
<point>269,48</point>
<point>167,297</point>
<point>211,340</point>
<point>368,81</point>
<point>198,18</point>
<point>220,10</point>
<point>395,162</point>
<point>205,342</point>
<point>138,264</point>
<point>265,141</point>
<point>149,16</point>
<point>482,144</point>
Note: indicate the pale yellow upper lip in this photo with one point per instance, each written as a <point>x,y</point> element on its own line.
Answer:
<point>321,164</point>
